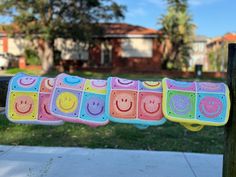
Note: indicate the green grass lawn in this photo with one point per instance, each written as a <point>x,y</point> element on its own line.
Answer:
<point>169,137</point>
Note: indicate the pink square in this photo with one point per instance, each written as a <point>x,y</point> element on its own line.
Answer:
<point>44,113</point>
<point>150,106</point>
<point>123,104</point>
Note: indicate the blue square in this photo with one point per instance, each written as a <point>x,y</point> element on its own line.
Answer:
<point>211,107</point>
<point>24,82</point>
<point>93,108</point>
<point>66,103</point>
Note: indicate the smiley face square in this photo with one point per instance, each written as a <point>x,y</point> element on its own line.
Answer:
<point>95,86</point>
<point>123,104</point>
<point>23,106</point>
<point>23,82</point>
<point>93,108</point>
<point>44,111</point>
<point>65,103</point>
<point>211,107</point>
<point>150,86</point>
<point>181,104</point>
<point>119,83</point>
<point>68,81</point>
<point>47,85</point>
<point>150,106</point>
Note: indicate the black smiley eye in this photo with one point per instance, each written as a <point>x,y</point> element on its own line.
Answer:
<point>122,99</point>
<point>25,102</point>
<point>125,100</point>
<point>21,102</point>
<point>93,103</point>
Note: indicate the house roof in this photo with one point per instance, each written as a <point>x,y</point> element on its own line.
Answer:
<point>111,30</point>
<point>229,37</point>
<point>117,29</point>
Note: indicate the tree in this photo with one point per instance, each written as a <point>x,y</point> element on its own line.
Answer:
<point>177,34</point>
<point>218,57</point>
<point>42,21</point>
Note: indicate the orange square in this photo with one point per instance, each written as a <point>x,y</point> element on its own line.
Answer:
<point>123,104</point>
<point>150,106</point>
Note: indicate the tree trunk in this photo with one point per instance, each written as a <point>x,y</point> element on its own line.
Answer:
<point>45,53</point>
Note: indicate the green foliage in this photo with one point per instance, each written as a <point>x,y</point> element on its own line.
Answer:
<point>178,33</point>
<point>49,19</point>
<point>32,57</point>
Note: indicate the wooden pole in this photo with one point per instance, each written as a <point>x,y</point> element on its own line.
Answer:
<point>229,162</point>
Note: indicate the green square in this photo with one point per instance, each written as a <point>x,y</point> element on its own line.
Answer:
<point>181,104</point>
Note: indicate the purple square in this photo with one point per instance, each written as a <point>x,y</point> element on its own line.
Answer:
<point>76,102</point>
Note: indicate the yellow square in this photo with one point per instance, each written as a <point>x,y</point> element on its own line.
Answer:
<point>23,106</point>
<point>96,86</point>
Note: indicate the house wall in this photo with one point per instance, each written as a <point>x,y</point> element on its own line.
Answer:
<point>14,46</point>
<point>136,63</point>
<point>71,50</point>
<point>199,55</point>
<point>3,44</point>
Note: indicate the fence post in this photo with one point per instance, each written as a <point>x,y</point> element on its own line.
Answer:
<point>229,162</point>
<point>3,89</point>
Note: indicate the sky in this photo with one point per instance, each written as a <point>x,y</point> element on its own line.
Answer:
<point>212,17</point>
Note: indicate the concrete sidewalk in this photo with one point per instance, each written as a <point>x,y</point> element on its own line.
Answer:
<point>25,161</point>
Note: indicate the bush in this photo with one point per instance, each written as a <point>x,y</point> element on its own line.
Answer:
<point>32,57</point>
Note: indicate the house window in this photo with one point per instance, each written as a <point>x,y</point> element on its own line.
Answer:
<point>136,47</point>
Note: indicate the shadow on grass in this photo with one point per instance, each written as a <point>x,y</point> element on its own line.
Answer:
<point>169,137</point>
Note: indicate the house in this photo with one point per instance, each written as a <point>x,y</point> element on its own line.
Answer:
<point>122,45</point>
<point>199,52</point>
<point>218,50</point>
<point>127,46</point>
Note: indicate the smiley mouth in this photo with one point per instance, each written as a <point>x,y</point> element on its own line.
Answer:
<point>123,110</point>
<point>124,83</point>
<point>49,84</point>
<point>66,109</point>
<point>152,85</point>
<point>92,113</point>
<point>23,112</point>
<point>210,86</point>
<point>97,85</point>
<point>26,84</point>
<point>152,112</point>
<point>45,109</point>
<point>211,114</point>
